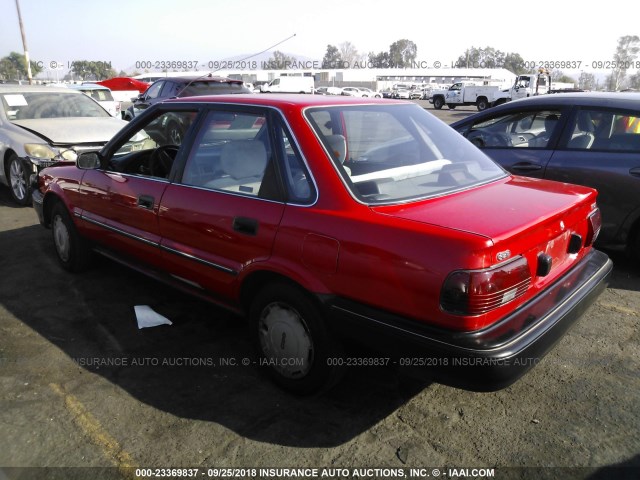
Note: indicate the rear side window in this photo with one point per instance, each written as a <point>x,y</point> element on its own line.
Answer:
<point>605,130</point>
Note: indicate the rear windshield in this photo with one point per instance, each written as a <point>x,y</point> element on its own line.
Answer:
<point>197,89</point>
<point>33,105</point>
<point>99,95</point>
<point>396,153</point>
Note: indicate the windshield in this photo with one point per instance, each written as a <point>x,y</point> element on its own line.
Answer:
<point>392,153</point>
<point>32,105</point>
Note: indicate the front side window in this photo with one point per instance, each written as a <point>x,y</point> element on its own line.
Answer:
<point>151,150</point>
<point>154,91</point>
<point>394,153</point>
<point>529,129</point>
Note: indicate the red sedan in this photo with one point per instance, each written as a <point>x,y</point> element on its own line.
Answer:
<point>332,218</point>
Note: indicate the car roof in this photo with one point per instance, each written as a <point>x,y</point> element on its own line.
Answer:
<point>35,89</point>
<point>88,87</point>
<point>203,78</point>
<point>292,99</point>
<point>586,99</point>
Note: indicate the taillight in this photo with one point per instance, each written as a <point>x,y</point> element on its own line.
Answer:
<point>474,292</point>
<point>593,226</point>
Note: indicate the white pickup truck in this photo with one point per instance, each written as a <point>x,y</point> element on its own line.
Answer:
<point>483,96</point>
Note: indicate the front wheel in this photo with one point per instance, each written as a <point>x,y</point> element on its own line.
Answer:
<point>292,339</point>
<point>73,250</point>
<point>19,180</point>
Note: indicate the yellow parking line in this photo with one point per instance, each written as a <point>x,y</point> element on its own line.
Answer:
<point>619,309</point>
<point>97,434</point>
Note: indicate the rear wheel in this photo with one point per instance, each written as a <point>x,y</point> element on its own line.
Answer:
<point>451,107</point>
<point>482,104</point>
<point>18,176</point>
<point>438,103</point>
<point>73,250</point>
<point>292,339</point>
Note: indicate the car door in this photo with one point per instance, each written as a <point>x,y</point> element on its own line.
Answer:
<point>601,149</point>
<point>521,141</point>
<point>121,200</point>
<point>222,216</point>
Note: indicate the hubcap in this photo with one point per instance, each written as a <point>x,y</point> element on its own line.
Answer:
<point>285,340</point>
<point>17,179</point>
<point>61,238</point>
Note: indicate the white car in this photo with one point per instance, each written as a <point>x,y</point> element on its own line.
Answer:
<point>40,126</point>
<point>334,91</point>
<point>402,93</point>
<point>352,91</point>
<point>367,92</point>
<point>100,94</point>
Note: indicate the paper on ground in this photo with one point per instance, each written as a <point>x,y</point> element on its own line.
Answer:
<point>148,318</point>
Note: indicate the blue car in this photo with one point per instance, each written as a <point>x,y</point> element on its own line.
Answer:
<point>588,139</point>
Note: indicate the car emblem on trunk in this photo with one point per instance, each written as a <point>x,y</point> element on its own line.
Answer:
<point>503,255</point>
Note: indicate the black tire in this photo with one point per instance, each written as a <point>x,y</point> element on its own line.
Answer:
<point>73,251</point>
<point>292,339</point>
<point>18,173</point>
<point>451,107</point>
<point>482,104</point>
<point>438,103</point>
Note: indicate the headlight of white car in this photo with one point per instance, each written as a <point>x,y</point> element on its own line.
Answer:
<point>44,155</point>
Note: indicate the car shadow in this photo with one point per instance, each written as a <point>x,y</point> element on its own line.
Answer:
<point>202,367</point>
<point>626,274</point>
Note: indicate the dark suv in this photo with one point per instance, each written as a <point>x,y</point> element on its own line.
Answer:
<point>174,87</point>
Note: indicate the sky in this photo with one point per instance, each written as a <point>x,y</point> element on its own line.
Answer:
<point>124,32</point>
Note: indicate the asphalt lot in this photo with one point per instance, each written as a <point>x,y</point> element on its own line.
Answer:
<point>82,386</point>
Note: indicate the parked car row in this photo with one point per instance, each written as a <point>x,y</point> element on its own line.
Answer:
<point>361,92</point>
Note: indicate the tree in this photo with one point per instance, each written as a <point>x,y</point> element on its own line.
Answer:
<point>626,52</point>
<point>332,58</point>
<point>634,81</point>
<point>14,67</point>
<point>92,70</point>
<point>487,57</point>
<point>514,63</point>
<point>587,81</point>
<point>402,53</point>
<point>559,76</point>
<point>381,60</point>
<point>349,54</point>
<point>280,61</point>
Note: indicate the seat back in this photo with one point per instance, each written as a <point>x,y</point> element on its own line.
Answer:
<point>243,163</point>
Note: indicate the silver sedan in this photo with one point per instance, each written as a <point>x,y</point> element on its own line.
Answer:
<point>40,126</point>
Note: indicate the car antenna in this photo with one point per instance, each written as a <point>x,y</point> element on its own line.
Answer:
<point>210,74</point>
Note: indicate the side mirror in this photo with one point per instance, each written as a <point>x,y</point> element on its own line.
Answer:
<point>88,161</point>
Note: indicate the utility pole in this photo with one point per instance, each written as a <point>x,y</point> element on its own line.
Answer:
<point>24,43</point>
